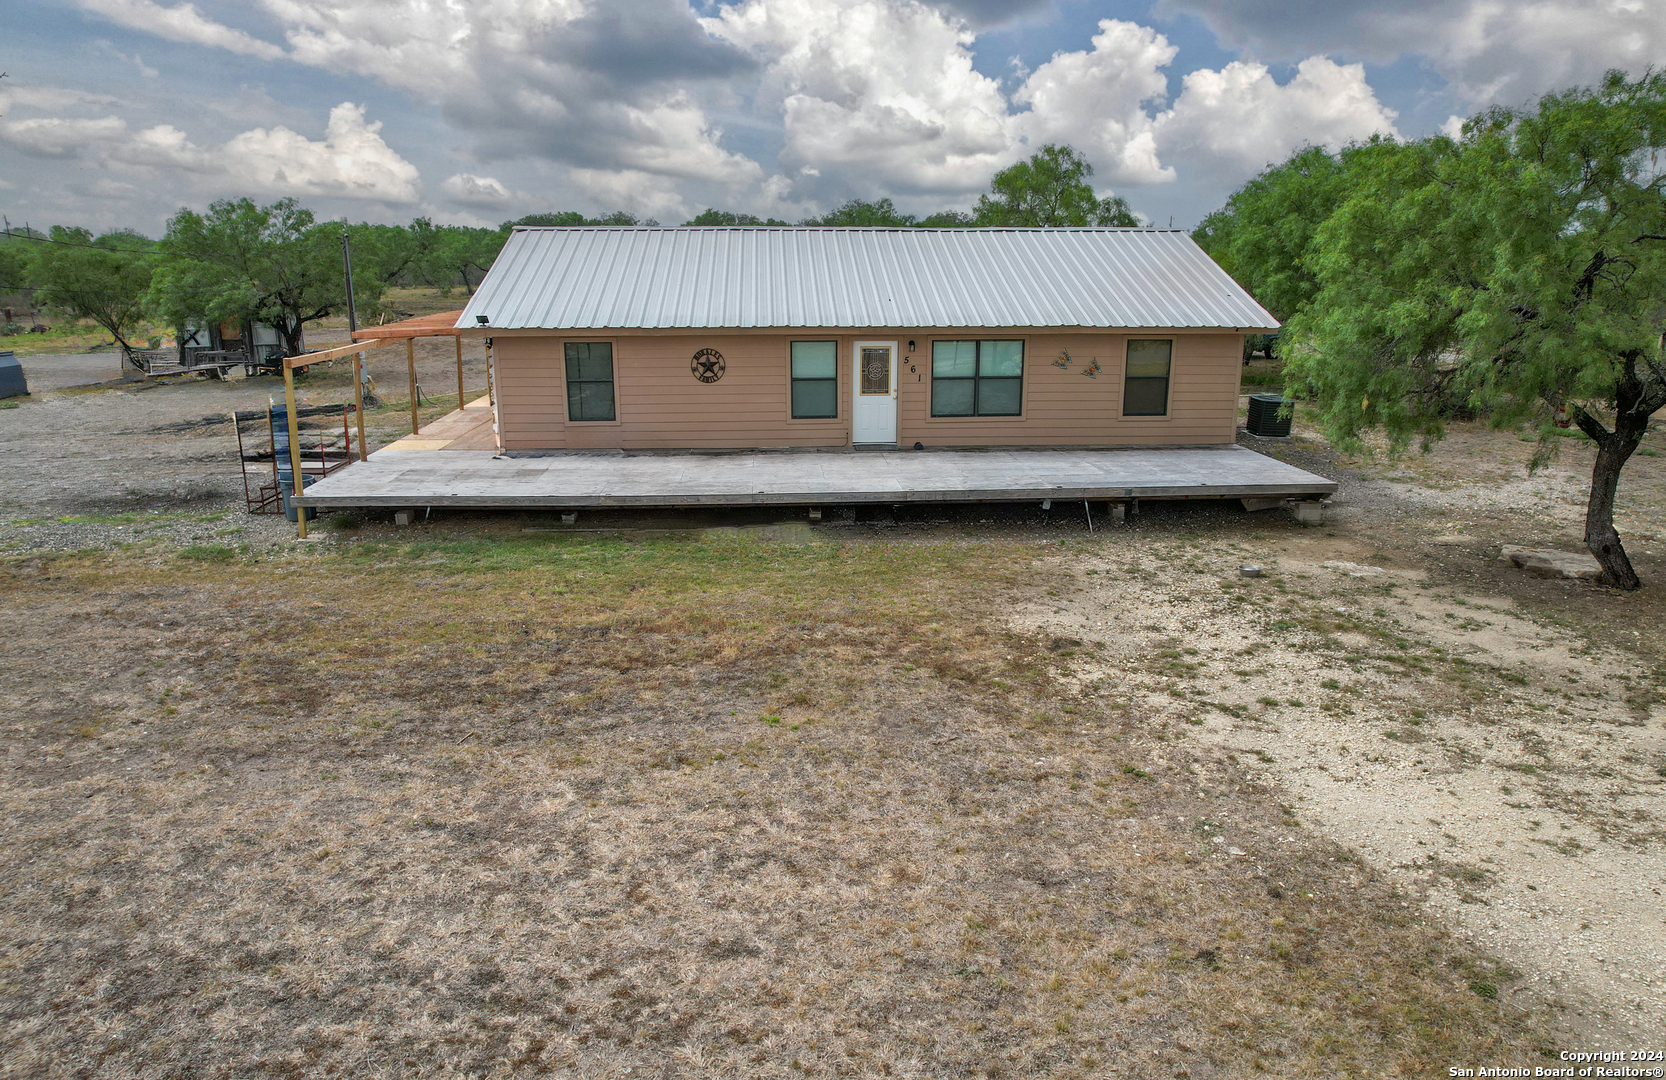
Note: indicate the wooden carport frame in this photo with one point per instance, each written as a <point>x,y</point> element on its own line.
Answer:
<point>443,324</point>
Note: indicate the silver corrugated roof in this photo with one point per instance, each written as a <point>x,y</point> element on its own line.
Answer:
<point>705,278</point>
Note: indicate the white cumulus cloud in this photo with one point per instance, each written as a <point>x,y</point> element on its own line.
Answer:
<point>62,136</point>
<point>642,193</point>
<point>875,95</point>
<point>1490,51</point>
<point>182,22</point>
<point>1097,100</point>
<point>475,190</point>
<point>350,162</point>
<point>1240,115</point>
<point>880,97</point>
<point>780,107</point>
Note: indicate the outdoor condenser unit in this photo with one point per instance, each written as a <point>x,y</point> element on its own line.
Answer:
<point>1264,419</point>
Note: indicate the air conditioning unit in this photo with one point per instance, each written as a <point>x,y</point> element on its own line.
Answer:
<point>1264,419</point>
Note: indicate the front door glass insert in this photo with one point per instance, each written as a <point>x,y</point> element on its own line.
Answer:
<point>876,370</point>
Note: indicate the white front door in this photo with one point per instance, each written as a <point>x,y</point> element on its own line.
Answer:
<point>874,391</point>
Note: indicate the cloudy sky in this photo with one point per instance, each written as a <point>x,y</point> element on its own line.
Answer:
<point>118,112</point>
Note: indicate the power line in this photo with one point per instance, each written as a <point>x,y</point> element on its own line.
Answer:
<point>97,247</point>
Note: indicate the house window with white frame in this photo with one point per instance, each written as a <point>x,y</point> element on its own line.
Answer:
<point>1145,385</point>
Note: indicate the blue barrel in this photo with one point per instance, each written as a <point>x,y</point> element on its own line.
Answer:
<point>280,431</point>
<point>286,486</point>
<point>12,382</point>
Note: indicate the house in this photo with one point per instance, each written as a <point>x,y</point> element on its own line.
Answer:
<point>730,367</point>
<point>733,338</point>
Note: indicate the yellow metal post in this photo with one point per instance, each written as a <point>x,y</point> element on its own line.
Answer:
<point>297,485</point>
<point>461,402</point>
<point>358,399</point>
<point>410,363</point>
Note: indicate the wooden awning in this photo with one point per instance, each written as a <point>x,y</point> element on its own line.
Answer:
<point>442,324</point>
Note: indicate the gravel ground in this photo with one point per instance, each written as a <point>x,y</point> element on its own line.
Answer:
<point>128,461</point>
<point>48,371</point>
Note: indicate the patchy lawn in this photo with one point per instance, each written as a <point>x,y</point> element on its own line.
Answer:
<point>511,805</point>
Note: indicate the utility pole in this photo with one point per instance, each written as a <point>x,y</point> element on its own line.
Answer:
<point>347,272</point>
<point>352,334</point>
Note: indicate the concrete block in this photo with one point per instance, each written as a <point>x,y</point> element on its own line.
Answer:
<point>1119,512</point>
<point>1308,511</point>
<point>815,513</point>
<point>569,517</point>
<point>1253,504</point>
<point>404,517</point>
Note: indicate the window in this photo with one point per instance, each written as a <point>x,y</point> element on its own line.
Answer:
<point>977,378</point>
<point>1145,389</point>
<point>589,380</point>
<point>815,379</point>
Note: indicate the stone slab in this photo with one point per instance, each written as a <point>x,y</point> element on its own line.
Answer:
<point>1548,562</point>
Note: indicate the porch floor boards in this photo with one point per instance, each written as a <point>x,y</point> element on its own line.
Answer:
<point>422,474</point>
<point>468,428</point>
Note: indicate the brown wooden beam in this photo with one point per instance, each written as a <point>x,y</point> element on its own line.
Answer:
<point>306,359</point>
<point>358,399</point>
<point>410,364</point>
<point>461,400</point>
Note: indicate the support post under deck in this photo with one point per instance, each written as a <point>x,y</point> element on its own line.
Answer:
<point>297,485</point>
<point>358,400</point>
<point>461,401</point>
<point>410,364</point>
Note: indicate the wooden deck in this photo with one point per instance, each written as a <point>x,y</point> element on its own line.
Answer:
<point>450,464</point>
<point>468,428</point>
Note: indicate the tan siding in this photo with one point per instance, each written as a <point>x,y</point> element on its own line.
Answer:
<point>659,403</point>
<point>1066,407</point>
<point>531,393</point>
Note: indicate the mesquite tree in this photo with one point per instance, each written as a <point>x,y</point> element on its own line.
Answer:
<point>1050,190</point>
<point>104,280</point>
<point>273,264</point>
<point>1522,266</point>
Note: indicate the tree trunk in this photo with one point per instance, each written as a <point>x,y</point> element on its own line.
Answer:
<point>290,331</point>
<point>1613,448</point>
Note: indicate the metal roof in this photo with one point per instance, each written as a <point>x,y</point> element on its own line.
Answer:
<point>709,278</point>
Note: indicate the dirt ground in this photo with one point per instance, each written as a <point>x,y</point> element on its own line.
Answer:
<point>1462,727</point>
<point>971,791</point>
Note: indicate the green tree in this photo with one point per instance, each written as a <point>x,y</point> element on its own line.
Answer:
<point>857,214</point>
<point>573,219</point>
<point>726,217</point>
<point>104,279</point>
<point>1524,265</point>
<point>272,264</point>
<point>1049,190</point>
<point>1263,236</point>
<point>948,219</point>
<point>14,266</point>
<point>464,253</point>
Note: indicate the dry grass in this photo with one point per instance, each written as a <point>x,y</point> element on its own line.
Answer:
<point>548,805</point>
